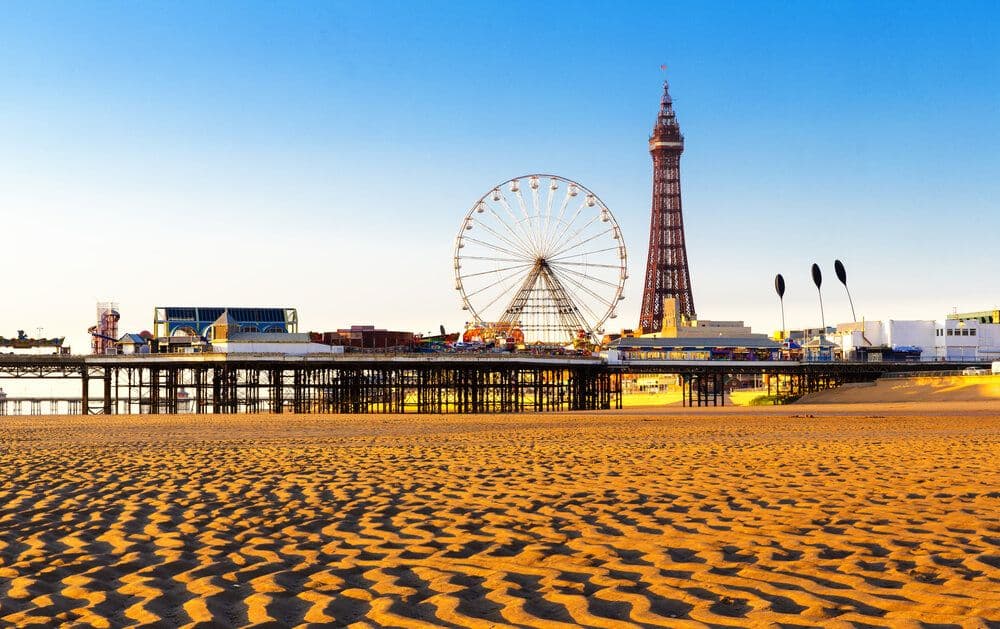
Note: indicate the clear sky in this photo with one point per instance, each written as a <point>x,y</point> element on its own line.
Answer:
<point>322,155</point>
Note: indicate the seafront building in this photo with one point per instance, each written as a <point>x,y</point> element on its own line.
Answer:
<point>685,338</point>
<point>681,337</point>
<point>954,338</point>
<point>959,337</point>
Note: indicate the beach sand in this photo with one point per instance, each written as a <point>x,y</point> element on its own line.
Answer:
<point>871,516</point>
<point>945,389</point>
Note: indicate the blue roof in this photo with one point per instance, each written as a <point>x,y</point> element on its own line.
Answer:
<point>200,318</point>
<point>211,313</point>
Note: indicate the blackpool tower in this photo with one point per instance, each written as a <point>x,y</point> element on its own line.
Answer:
<point>667,272</point>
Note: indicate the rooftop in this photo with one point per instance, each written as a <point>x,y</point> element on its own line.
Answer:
<point>269,337</point>
<point>693,342</point>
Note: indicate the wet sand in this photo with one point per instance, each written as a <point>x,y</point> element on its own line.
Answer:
<point>872,516</point>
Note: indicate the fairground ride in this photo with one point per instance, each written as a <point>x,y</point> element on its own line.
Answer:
<point>542,258</point>
<point>22,342</point>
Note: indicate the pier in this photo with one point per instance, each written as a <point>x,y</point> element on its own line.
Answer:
<point>352,383</point>
<point>393,383</point>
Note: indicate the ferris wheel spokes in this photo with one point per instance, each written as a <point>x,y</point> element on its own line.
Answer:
<point>588,277</point>
<point>558,235</point>
<point>522,225</point>
<point>490,245</point>
<point>536,266</point>
<point>588,291</point>
<point>586,264</point>
<point>567,244</point>
<point>506,268</point>
<point>586,253</point>
<point>584,304</point>
<point>526,247</point>
<point>496,283</point>
<point>517,248</point>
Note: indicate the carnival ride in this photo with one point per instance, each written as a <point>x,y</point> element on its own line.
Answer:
<point>104,335</point>
<point>539,259</point>
<point>23,342</point>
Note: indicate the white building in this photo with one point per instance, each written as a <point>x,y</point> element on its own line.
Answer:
<point>967,340</point>
<point>272,343</point>
<point>133,344</point>
<point>945,340</point>
<point>909,334</point>
<point>852,336</point>
<point>225,338</point>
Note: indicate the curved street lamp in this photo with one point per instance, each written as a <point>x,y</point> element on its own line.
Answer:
<point>779,287</point>
<point>818,281</point>
<point>838,267</point>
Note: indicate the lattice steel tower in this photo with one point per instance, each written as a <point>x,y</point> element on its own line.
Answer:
<point>667,272</point>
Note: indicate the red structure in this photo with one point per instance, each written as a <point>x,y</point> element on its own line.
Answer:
<point>667,272</point>
<point>366,337</point>
<point>104,335</point>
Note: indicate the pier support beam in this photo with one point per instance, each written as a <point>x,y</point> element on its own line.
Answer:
<point>84,391</point>
<point>107,391</point>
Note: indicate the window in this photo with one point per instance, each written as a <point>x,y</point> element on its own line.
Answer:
<point>180,314</point>
<point>951,332</point>
<point>972,332</point>
<point>209,315</point>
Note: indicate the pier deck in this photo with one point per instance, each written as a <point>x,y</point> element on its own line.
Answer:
<point>395,383</point>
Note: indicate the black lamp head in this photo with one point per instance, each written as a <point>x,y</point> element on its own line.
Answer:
<point>838,267</point>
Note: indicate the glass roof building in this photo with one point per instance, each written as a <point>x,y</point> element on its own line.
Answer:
<point>196,320</point>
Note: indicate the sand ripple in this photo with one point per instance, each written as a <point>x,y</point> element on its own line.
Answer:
<point>597,521</point>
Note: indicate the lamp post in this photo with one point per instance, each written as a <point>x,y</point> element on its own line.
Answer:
<point>818,281</point>
<point>779,287</point>
<point>838,267</point>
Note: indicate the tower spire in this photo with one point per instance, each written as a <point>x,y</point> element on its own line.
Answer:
<point>666,121</point>
<point>667,274</point>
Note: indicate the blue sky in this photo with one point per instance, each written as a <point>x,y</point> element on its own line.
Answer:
<point>322,155</point>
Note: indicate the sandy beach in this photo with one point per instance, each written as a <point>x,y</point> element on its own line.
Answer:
<point>827,515</point>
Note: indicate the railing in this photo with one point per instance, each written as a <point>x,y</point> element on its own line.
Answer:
<point>941,373</point>
<point>464,356</point>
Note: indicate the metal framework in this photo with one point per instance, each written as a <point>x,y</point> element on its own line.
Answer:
<point>707,387</point>
<point>667,273</point>
<point>704,382</point>
<point>196,320</point>
<point>209,383</point>
<point>542,255</point>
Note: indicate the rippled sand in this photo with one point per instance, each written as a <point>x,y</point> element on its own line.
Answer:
<point>738,519</point>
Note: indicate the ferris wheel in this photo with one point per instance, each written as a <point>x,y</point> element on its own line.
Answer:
<point>540,257</point>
